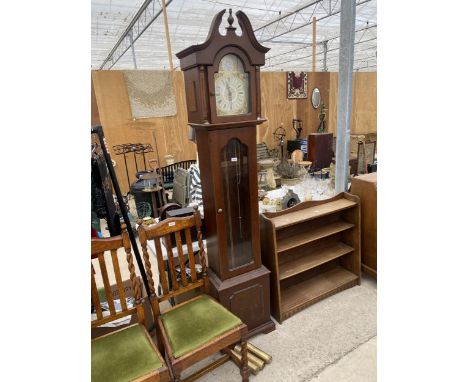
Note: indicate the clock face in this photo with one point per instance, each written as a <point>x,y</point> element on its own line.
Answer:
<point>231,87</point>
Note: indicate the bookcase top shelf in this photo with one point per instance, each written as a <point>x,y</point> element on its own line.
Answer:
<point>309,213</point>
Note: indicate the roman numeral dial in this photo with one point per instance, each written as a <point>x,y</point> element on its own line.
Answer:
<point>231,87</point>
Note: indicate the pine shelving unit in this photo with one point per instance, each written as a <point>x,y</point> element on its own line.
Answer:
<point>313,250</point>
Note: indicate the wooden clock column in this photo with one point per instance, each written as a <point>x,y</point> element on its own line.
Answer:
<point>222,85</point>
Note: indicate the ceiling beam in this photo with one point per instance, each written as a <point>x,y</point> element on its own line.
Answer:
<point>319,53</point>
<point>308,44</point>
<point>288,14</point>
<point>290,28</point>
<point>148,12</point>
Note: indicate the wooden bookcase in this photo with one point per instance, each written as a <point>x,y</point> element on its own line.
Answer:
<point>313,250</point>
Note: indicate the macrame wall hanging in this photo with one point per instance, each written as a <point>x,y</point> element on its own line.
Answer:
<point>151,93</point>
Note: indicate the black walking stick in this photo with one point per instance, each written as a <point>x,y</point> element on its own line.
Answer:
<point>98,130</point>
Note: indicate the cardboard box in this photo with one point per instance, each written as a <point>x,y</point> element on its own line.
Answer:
<point>99,331</point>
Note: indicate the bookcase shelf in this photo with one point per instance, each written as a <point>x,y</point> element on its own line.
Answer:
<point>311,290</point>
<point>307,237</point>
<point>304,263</point>
<point>312,250</point>
<point>313,212</point>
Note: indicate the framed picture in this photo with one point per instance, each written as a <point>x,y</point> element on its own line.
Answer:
<point>297,85</point>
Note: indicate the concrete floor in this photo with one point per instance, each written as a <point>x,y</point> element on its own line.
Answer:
<point>334,340</point>
<point>359,365</point>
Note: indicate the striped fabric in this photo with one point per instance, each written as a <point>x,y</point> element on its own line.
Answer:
<point>262,151</point>
<point>195,184</point>
<point>180,193</point>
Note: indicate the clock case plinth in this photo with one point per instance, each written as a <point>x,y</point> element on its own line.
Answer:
<point>243,289</point>
<point>247,296</point>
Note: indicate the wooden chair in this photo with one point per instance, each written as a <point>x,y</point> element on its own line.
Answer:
<point>199,327</point>
<point>181,186</point>
<point>128,354</point>
<point>365,156</point>
<point>168,172</point>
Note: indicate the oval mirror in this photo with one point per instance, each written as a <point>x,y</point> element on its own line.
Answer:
<point>315,99</point>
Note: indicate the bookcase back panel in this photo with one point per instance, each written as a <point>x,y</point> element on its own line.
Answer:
<point>308,250</point>
<point>304,276</point>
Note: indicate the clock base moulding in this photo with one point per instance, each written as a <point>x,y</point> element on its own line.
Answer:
<point>247,296</point>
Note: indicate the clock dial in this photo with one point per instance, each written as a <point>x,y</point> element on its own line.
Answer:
<point>232,87</point>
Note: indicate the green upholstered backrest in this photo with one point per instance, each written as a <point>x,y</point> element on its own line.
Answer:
<point>123,355</point>
<point>196,322</point>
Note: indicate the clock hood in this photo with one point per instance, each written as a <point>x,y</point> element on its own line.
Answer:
<point>205,53</point>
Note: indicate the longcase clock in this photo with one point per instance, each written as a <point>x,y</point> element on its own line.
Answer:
<point>222,85</point>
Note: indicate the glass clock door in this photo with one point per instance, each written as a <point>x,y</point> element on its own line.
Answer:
<point>235,181</point>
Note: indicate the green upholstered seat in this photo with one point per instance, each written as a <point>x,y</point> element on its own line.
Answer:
<point>123,356</point>
<point>193,324</point>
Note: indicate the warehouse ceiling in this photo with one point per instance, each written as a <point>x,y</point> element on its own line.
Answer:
<point>285,26</point>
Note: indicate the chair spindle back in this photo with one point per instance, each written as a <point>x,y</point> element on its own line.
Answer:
<point>162,231</point>
<point>98,249</point>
